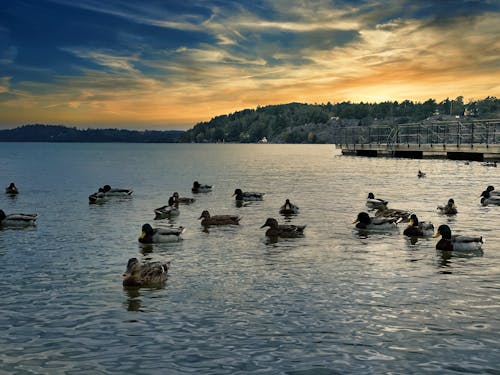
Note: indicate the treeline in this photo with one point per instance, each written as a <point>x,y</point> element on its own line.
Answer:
<point>59,133</point>
<point>309,123</point>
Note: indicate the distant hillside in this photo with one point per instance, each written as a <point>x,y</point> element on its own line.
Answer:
<point>59,133</point>
<point>314,123</point>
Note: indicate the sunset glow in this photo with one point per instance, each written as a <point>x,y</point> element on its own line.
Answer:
<point>169,65</point>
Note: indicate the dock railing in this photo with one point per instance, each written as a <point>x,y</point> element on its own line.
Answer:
<point>459,132</point>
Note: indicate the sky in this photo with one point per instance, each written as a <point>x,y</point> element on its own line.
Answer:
<point>168,64</point>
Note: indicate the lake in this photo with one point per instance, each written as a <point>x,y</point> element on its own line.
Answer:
<point>333,302</point>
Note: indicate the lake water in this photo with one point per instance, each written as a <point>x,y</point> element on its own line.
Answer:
<point>333,302</point>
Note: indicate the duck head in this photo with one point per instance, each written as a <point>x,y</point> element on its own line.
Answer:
<point>490,188</point>
<point>204,215</point>
<point>371,196</point>
<point>444,231</point>
<point>132,274</point>
<point>2,215</point>
<point>238,193</point>
<point>413,221</point>
<point>106,188</point>
<point>288,205</point>
<point>270,222</point>
<point>196,185</point>
<point>146,234</point>
<point>363,217</point>
<point>451,203</point>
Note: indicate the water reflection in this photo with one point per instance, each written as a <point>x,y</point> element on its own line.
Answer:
<point>134,303</point>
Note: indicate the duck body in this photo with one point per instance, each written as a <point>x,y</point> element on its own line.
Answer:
<point>373,203</point>
<point>449,208</point>
<point>283,230</point>
<point>182,200</point>
<point>116,192</point>
<point>456,242</point>
<point>151,235</point>
<point>418,228</point>
<point>207,219</point>
<point>289,208</point>
<point>201,188</point>
<point>393,213</point>
<point>145,274</point>
<point>365,222</point>
<point>488,199</point>
<point>492,191</point>
<point>11,189</point>
<point>248,195</point>
<point>17,220</point>
<point>166,212</point>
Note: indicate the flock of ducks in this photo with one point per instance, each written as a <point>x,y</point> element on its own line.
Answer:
<point>140,274</point>
<point>386,218</point>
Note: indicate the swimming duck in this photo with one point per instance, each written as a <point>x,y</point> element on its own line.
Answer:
<point>159,235</point>
<point>456,242</point>
<point>492,190</point>
<point>148,274</point>
<point>115,191</point>
<point>375,203</point>
<point>487,198</point>
<point>283,230</point>
<point>418,228</point>
<point>182,200</point>
<point>166,212</point>
<point>11,189</point>
<point>393,213</point>
<point>364,221</point>
<point>218,219</point>
<point>289,208</point>
<point>17,220</point>
<point>490,164</point>
<point>420,174</point>
<point>201,188</point>
<point>248,195</point>
<point>449,208</point>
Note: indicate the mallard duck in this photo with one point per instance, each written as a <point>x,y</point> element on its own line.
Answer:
<point>11,189</point>
<point>289,208</point>
<point>418,228</point>
<point>145,274</point>
<point>161,234</point>
<point>182,200</point>
<point>456,242</point>
<point>201,188</point>
<point>166,212</point>
<point>420,174</point>
<point>248,195</point>
<point>218,219</point>
<point>107,190</point>
<point>492,190</point>
<point>375,203</point>
<point>364,221</point>
<point>17,220</point>
<point>487,198</point>
<point>393,213</point>
<point>449,208</point>
<point>283,230</point>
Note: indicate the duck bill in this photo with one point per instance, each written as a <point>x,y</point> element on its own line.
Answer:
<point>411,223</point>
<point>263,226</point>
<point>437,234</point>
<point>143,234</point>
<point>355,221</point>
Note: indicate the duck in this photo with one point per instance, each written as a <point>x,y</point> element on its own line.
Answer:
<point>418,228</point>
<point>393,213</point>
<point>182,200</point>
<point>107,190</point>
<point>490,164</point>
<point>456,242</point>
<point>289,208</point>
<point>166,212</point>
<point>375,203</point>
<point>151,235</point>
<point>366,222</point>
<point>17,220</point>
<point>420,174</point>
<point>492,190</point>
<point>283,230</point>
<point>97,197</point>
<point>201,188</point>
<point>248,195</point>
<point>449,208</point>
<point>146,274</point>
<point>11,189</point>
<point>487,199</point>
<point>218,219</point>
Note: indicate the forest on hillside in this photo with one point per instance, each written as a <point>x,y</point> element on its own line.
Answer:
<point>312,123</point>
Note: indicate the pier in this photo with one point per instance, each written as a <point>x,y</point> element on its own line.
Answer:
<point>463,139</point>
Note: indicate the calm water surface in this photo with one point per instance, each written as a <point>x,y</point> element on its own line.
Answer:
<point>333,302</point>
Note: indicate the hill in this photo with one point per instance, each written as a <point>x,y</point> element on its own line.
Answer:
<point>59,133</point>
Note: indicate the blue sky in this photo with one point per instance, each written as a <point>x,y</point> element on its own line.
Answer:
<point>169,64</point>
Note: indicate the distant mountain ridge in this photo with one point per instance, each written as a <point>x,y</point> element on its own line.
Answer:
<point>60,133</point>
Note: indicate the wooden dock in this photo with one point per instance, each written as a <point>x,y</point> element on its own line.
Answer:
<point>459,140</point>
